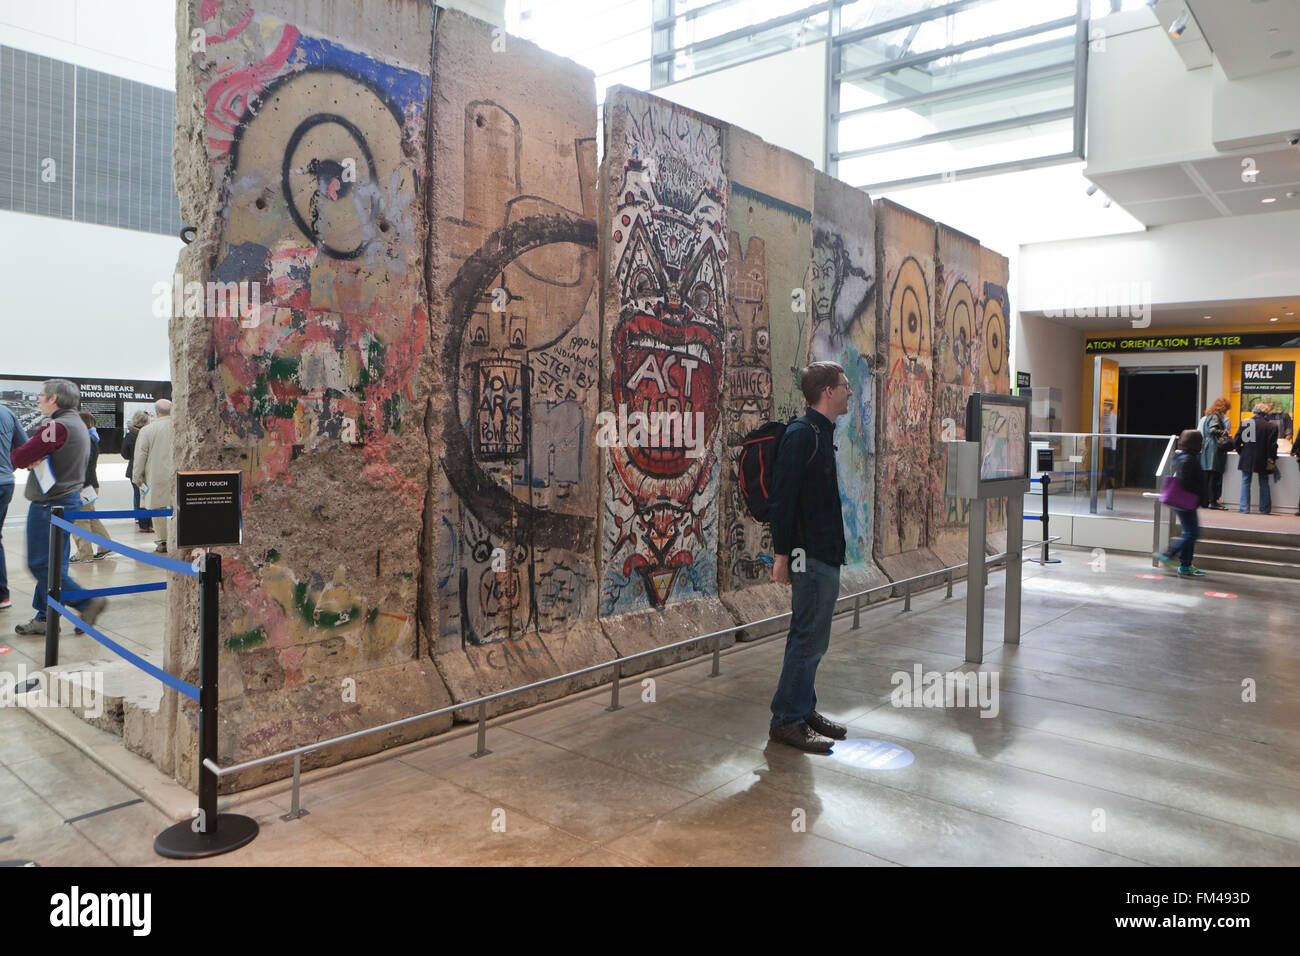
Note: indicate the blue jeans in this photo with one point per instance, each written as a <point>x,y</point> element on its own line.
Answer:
<point>6,496</point>
<point>1265,494</point>
<point>1184,546</point>
<point>135,506</point>
<point>812,603</point>
<point>38,550</point>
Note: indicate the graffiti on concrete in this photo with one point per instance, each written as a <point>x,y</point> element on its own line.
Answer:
<point>665,339</point>
<point>520,351</point>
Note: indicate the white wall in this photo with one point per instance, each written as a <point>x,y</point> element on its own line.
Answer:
<point>1255,110</point>
<point>1144,106</point>
<point>780,98</point>
<point>1052,354</point>
<point>1244,257</point>
<point>78,299</point>
<point>135,39</point>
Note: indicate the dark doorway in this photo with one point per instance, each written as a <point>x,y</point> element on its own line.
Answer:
<point>1153,402</point>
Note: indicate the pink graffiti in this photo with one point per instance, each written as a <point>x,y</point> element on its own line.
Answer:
<point>229,97</point>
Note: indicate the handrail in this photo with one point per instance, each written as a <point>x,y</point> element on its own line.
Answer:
<point>1090,435</point>
<point>1164,459</point>
<point>482,702</point>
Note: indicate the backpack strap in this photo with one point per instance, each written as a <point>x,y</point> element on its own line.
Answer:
<point>817,437</point>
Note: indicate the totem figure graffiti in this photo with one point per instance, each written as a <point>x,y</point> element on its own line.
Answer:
<point>770,238</point>
<point>666,222</point>
<point>748,403</point>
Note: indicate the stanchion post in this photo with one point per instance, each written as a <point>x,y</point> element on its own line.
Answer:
<point>1047,528</point>
<point>212,833</point>
<point>857,611</point>
<point>209,582</point>
<point>53,587</point>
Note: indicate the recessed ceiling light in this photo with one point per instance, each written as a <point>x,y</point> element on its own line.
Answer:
<point>1280,54</point>
<point>1267,199</point>
<point>1206,317</point>
<point>1274,319</point>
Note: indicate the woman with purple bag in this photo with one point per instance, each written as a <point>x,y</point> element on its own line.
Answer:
<point>1182,493</point>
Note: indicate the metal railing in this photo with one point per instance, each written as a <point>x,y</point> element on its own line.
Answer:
<point>297,753</point>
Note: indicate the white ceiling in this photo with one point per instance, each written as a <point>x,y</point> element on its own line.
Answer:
<point>1192,315</point>
<point>1208,188</point>
<point>1248,37</point>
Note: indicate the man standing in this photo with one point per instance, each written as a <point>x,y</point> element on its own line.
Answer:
<point>152,469</point>
<point>1256,444</point>
<point>11,437</point>
<point>57,454</point>
<point>808,539</point>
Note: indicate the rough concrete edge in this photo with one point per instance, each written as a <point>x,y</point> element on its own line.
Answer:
<point>704,605</point>
<point>551,693</point>
<point>773,595</point>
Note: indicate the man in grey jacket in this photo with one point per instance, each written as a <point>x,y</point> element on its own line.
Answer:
<point>11,437</point>
<point>57,455</point>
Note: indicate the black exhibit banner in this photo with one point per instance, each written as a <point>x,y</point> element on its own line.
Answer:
<point>208,509</point>
<point>111,400</point>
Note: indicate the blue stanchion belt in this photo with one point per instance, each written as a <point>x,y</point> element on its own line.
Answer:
<point>144,557</point>
<point>74,596</point>
<point>155,513</point>
<point>175,683</point>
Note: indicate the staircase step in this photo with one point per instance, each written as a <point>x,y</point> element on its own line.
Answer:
<point>1276,539</point>
<point>1210,562</point>
<point>1254,552</point>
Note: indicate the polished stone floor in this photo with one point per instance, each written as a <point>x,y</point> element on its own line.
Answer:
<point>1121,739</point>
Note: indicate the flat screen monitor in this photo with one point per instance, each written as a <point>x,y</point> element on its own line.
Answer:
<point>1000,425</point>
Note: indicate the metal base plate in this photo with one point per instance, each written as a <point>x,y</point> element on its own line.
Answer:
<point>180,842</point>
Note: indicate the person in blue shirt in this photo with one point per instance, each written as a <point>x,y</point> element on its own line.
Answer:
<point>12,435</point>
<point>808,541</point>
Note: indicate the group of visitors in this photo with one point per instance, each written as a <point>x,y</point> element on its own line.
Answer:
<point>1198,466</point>
<point>61,456</point>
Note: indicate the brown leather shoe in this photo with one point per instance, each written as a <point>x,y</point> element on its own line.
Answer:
<point>827,728</point>
<point>801,737</point>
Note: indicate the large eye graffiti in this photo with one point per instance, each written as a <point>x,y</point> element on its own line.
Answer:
<point>340,168</point>
<point>995,334</point>
<point>909,313</point>
<point>959,316</point>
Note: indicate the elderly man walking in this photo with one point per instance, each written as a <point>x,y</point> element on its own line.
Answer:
<point>152,469</point>
<point>57,455</point>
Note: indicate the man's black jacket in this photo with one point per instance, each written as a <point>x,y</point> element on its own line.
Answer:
<point>805,508</point>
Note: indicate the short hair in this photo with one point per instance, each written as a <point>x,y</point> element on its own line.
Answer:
<point>140,419</point>
<point>1191,440</point>
<point>64,393</point>
<point>817,377</point>
<point>87,419</point>
<point>1261,408</point>
<point>163,407</point>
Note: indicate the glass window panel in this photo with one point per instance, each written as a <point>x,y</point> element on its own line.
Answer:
<point>935,159</point>
<point>956,112</point>
<point>775,40</point>
<point>713,19</point>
